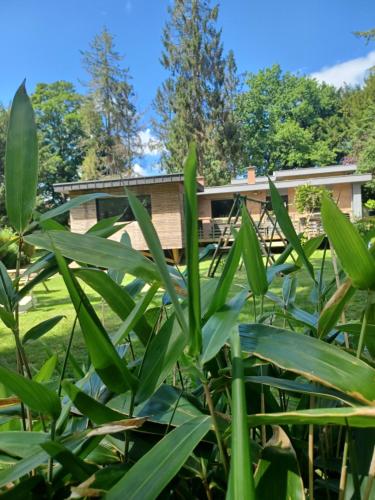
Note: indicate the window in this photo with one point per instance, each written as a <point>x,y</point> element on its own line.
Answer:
<point>111,207</point>
<point>221,208</point>
<point>269,202</point>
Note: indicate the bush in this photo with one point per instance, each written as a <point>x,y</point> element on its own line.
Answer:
<point>308,198</point>
<point>9,249</point>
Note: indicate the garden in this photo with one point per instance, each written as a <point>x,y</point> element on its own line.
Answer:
<point>132,378</point>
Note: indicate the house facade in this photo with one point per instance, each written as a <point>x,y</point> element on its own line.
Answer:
<point>162,195</point>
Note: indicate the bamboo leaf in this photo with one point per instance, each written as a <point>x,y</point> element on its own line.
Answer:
<point>218,328</point>
<point>41,329</point>
<point>70,462</point>
<point>21,161</point>
<point>156,250</point>
<point>7,291</point>
<point>46,371</point>
<point>287,227</point>
<point>314,359</point>
<point>360,416</point>
<point>147,478</point>
<point>226,278</point>
<point>97,412</point>
<point>21,443</point>
<point>116,296</point>
<point>355,258</point>
<point>277,474</point>
<point>104,357</point>
<point>192,250</point>
<point>97,252</point>
<point>334,308</point>
<point>241,482</point>
<point>252,256</point>
<point>34,395</point>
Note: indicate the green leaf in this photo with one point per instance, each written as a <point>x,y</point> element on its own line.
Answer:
<point>302,388</point>
<point>310,247</point>
<point>355,258</point>
<point>226,278</point>
<point>46,371</point>
<point>149,476</point>
<point>41,329</point>
<point>97,412</point>
<point>21,443</point>
<point>355,328</point>
<point>287,227</point>
<point>334,308</point>
<point>157,253</point>
<point>314,359</point>
<point>7,291</point>
<point>7,318</point>
<point>192,250</point>
<point>104,357</point>
<point>116,296</point>
<point>360,416</point>
<point>70,462</point>
<point>97,252</point>
<point>218,328</point>
<point>21,161</point>
<point>241,482</point>
<point>34,395</point>
<point>73,203</point>
<point>252,256</point>
<point>277,474</point>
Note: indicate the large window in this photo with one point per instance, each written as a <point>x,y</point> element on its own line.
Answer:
<point>221,208</point>
<point>111,207</point>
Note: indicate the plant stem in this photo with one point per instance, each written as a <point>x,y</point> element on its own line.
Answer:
<point>363,328</point>
<point>50,461</point>
<point>68,348</point>
<point>216,427</point>
<point>344,467</point>
<point>311,454</point>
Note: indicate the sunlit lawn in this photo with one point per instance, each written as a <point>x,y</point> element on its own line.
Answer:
<point>56,301</point>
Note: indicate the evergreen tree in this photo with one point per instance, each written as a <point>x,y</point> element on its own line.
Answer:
<point>191,104</point>
<point>114,137</point>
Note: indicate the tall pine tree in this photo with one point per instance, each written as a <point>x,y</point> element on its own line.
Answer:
<point>195,101</point>
<point>115,143</point>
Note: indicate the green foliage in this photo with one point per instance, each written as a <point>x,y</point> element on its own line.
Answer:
<point>57,110</point>
<point>163,406</point>
<point>196,101</point>
<point>9,249</point>
<point>308,199</point>
<point>290,121</point>
<point>109,116</point>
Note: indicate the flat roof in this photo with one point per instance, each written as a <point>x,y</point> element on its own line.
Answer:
<point>302,172</point>
<point>67,187</point>
<point>314,181</point>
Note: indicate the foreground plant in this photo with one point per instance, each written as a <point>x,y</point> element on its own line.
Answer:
<point>183,400</point>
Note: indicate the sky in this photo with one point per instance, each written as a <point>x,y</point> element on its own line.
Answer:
<point>40,40</point>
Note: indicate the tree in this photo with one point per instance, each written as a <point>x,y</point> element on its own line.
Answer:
<point>111,120</point>
<point>359,106</point>
<point>290,121</point>
<point>195,102</point>
<point>57,111</point>
<point>3,138</point>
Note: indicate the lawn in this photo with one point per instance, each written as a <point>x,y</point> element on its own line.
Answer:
<point>56,301</point>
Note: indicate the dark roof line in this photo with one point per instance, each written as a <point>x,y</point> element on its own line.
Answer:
<point>66,187</point>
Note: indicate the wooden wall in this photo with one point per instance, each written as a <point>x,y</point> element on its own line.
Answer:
<point>167,215</point>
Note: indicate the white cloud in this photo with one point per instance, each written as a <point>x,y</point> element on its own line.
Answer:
<point>350,72</point>
<point>139,170</point>
<point>151,146</point>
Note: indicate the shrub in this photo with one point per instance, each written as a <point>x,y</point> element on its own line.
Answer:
<point>308,198</point>
<point>9,249</point>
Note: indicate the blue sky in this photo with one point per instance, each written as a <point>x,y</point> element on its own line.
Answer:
<point>41,39</point>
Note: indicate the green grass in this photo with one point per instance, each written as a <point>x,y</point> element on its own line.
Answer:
<point>56,302</point>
